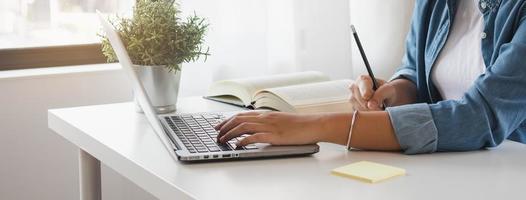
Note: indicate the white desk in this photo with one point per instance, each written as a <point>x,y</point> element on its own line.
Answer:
<point>122,139</point>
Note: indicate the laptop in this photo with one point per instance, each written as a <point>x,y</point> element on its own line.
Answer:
<point>192,137</point>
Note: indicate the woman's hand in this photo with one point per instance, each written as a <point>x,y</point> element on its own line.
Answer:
<point>272,127</point>
<point>363,98</point>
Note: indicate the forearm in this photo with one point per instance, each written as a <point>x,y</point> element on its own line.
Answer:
<point>405,90</point>
<point>372,131</point>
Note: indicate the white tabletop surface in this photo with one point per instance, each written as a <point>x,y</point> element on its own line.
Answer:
<point>122,139</point>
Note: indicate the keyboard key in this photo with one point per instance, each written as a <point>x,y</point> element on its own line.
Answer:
<point>202,150</point>
<point>214,149</point>
<point>224,147</point>
<point>198,134</point>
<point>208,141</point>
<point>235,147</point>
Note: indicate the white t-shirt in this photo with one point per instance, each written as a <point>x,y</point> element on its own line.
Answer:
<point>460,62</point>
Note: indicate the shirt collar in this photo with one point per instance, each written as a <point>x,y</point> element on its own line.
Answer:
<point>484,5</point>
<point>489,5</point>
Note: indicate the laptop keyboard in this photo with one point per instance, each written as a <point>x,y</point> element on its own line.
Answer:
<point>197,133</point>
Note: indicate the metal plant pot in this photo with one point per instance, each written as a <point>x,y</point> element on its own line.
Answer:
<point>161,85</point>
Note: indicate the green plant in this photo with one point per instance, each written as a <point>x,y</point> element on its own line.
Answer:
<point>157,36</point>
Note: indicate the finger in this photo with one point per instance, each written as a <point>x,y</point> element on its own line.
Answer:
<point>357,106</point>
<point>365,86</point>
<point>357,96</point>
<point>256,138</point>
<point>251,113</point>
<point>382,95</point>
<point>235,121</point>
<point>243,128</point>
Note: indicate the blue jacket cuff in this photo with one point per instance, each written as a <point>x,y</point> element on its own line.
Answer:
<point>405,74</point>
<point>414,127</point>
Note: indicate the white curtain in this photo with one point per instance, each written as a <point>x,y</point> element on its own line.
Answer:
<point>260,37</point>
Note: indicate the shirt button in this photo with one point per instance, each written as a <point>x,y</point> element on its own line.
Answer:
<point>483,5</point>
<point>484,35</point>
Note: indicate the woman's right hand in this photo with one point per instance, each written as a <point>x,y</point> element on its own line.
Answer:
<point>363,98</point>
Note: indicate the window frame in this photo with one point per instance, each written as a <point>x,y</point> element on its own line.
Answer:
<point>51,56</point>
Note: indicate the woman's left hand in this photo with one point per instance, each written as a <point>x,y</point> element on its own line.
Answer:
<point>275,128</point>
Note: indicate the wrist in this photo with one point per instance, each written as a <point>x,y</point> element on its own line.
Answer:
<point>334,127</point>
<point>405,92</point>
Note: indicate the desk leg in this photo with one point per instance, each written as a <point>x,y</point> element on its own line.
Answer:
<point>89,177</point>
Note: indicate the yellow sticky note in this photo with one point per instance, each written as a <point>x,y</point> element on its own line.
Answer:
<point>368,171</point>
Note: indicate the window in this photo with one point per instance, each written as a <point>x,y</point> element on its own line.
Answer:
<point>36,33</point>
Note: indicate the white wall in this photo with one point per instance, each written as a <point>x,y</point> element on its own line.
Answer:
<point>258,37</point>
<point>324,36</point>
<point>382,26</point>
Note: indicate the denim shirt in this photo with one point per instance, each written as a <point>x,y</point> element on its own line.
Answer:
<point>494,107</point>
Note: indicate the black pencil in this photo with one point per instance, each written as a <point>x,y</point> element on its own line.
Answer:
<point>364,57</point>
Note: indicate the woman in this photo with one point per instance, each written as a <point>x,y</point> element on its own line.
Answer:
<point>461,87</point>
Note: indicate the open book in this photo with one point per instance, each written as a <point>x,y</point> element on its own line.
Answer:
<point>304,92</point>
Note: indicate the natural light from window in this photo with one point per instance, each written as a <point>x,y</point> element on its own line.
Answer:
<point>37,23</point>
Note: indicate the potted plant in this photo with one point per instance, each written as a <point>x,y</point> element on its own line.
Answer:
<point>158,42</point>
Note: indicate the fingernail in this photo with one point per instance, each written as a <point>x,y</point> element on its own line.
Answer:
<point>372,104</point>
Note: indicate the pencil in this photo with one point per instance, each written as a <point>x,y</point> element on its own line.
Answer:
<point>364,57</point>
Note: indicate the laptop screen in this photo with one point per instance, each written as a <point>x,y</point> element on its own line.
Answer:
<point>138,89</point>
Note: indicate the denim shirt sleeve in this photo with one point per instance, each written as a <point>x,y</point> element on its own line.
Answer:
<point>490,111</point>
<point>493,108</point>
<point>414,128</point>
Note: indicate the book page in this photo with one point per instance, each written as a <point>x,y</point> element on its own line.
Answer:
<point>259,83</point>
<point>241,91</point>
<point>306,95</point>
